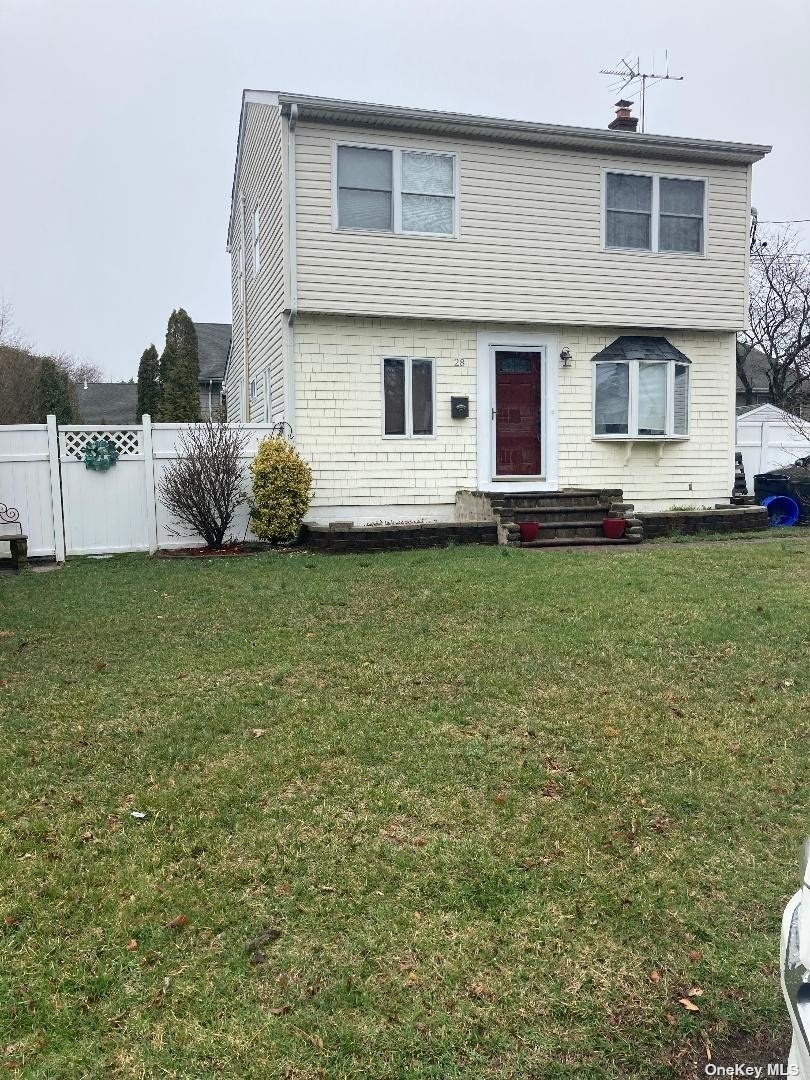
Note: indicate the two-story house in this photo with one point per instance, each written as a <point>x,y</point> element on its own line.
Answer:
<point>437,302</point>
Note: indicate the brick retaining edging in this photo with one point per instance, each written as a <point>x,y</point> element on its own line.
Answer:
<point>398,537</point>
<point>691,522</point>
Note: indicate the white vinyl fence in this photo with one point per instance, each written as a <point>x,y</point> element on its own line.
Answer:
<point>768,437</point>
<point>66,508</point>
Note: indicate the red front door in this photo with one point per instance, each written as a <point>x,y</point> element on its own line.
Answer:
<point>518,413</point>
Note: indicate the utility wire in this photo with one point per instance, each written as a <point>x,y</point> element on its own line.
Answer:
<point>785,221</point>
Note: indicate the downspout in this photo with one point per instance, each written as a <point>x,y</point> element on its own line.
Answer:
<point>289,404</point>
<point>244,405</point>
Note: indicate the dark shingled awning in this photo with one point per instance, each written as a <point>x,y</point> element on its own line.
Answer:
<point>642,348</point>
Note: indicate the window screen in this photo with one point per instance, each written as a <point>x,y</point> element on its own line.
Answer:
<point>681,410</point>
<point>422,396</point>
<point>652,399</point>
<point>427,193</point>
<point>681,215</point>
<point>365,188</point>
<point>628,211</point>
<point>394,396</point>
<point>612,398</point>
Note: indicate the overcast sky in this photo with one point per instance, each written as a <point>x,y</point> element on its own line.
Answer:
<point>118,122</point>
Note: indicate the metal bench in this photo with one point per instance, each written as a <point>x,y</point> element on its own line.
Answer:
<point>12,534</point>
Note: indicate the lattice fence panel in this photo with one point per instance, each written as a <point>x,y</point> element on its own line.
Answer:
<point>127,440</point>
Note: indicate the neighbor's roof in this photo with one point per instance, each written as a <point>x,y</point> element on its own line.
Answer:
<point>757,367</point>
<point>462,125</point>
<point>213,343</point>
<point>108,403</point>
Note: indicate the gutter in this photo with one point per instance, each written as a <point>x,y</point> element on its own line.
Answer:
<point>394,117</point>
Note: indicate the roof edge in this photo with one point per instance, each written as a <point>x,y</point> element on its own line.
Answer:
<point>504,130</point>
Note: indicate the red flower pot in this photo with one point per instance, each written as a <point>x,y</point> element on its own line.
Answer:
<point>528,531</point>
<point>613,528</point>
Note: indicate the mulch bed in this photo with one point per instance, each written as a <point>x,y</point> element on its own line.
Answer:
<point>229,551</point>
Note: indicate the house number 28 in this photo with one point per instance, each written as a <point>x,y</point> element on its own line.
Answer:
<point>460,362</point>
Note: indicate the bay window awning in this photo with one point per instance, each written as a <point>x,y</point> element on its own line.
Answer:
<point>642,348</point>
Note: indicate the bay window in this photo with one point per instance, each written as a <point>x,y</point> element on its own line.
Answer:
<point>641,399</point>
<point>654,213</point>
<point>391,190</point>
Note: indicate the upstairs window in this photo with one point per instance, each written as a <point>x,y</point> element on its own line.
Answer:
<point>397,191</point>
<point>365,188</point>
<point>407,396</point>
<point>654,213</point>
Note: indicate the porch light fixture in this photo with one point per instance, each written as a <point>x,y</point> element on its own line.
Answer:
<point>565,356</point>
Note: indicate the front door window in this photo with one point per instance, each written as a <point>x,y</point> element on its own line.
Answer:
<point>518,413</point>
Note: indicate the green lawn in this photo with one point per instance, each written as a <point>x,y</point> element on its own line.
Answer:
<point>497,810</point>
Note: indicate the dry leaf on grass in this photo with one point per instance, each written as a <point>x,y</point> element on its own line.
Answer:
<point>178,922</point>
<point>655,976</point>
<point>132,945</point>
<point>695,956</point>
<point>258,732</point>
<point>690,1006</point>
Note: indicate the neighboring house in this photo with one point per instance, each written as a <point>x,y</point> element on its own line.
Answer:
<point>756,370</point>
<point>213,344</point>
<point>757,367</point>
<point>438,302</point>
<point>116,403</point>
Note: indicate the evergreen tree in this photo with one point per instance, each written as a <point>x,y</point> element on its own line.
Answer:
<point>53,393</point>
<point>180,372</point>
<point>148,385</point>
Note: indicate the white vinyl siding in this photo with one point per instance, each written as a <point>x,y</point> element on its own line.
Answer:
<point>529,243</point>
<point>262,186</point>
<point>257,242</point>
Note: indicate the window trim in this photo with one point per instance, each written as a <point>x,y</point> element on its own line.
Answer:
<point>396,190</point>
<point>409,433</point>
<point>631,435</point>
<point>655,214</point>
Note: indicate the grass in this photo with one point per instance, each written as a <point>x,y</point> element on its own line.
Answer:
<point>495,812</point>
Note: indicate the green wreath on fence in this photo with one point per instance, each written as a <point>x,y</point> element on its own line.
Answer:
<point>100,454</point>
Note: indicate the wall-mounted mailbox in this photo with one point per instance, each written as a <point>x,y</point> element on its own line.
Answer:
<point>459,408</point>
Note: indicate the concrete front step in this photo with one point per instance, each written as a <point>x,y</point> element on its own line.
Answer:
<point>576,541</point>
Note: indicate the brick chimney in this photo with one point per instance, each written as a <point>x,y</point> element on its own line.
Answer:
<point>624,121</point>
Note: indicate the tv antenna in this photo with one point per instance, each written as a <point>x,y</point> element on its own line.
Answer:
<point>629,74</point>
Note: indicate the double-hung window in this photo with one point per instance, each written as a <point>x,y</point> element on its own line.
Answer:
<point>396,191</point>
<point>639,399</point>
<point>408,396</point>
<point>655,213</point>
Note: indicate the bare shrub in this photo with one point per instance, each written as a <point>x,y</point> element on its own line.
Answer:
<point>205,485</point>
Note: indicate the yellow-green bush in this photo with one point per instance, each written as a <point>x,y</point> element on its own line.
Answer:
<point>282,483</point>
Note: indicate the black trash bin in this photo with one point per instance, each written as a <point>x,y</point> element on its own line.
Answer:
<point>791,480</point>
